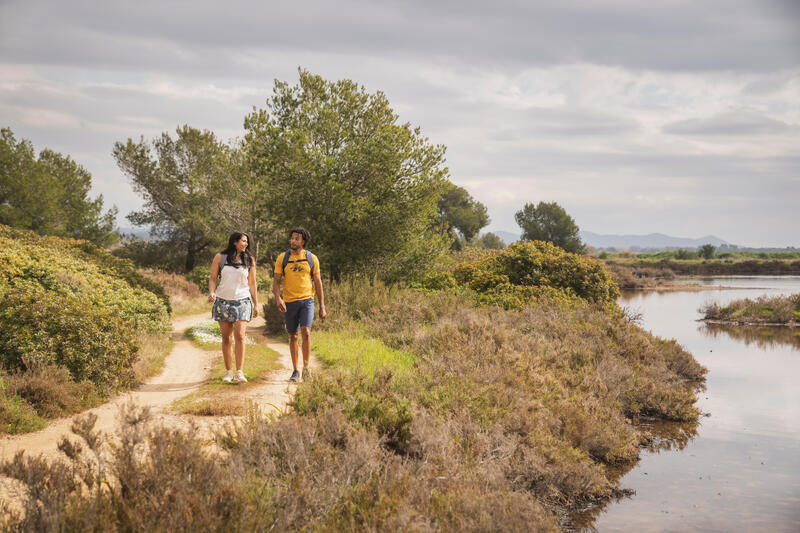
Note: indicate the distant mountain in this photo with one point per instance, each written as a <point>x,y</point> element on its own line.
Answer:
<point>653,241</point>
<point>142,233</point>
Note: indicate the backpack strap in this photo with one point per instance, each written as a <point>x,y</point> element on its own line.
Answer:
<point>285,260</point>
<point>309,260</point>
<point>223,258</point>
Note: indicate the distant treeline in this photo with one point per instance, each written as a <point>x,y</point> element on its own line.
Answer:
<point>748,267</point>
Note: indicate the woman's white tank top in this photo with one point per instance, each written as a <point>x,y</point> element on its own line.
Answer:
<point>233,282</point>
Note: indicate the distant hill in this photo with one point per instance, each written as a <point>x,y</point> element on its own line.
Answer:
<point>653,241</point>
<point>142,233</point>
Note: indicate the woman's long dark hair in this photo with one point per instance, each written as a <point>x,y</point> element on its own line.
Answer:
<point>246,258</point>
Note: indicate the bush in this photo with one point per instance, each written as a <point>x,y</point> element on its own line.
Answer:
<point>274,323</point>
<point>94,344</point>
<point>535,269</point>
<point>72,313</point>
<point>17,415</point>
<point>51,391</point>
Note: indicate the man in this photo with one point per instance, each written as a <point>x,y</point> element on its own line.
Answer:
<point>298,271</point>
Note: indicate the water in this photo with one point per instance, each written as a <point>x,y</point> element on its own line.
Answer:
<point>741,469</point>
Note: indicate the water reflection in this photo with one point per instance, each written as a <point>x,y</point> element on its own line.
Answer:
<point>658,436</point>
<point>760,336</point>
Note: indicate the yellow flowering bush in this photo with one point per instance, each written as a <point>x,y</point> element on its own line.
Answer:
<point>530,270</point>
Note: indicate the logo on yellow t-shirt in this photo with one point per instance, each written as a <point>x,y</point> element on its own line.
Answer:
<point>297,280</point>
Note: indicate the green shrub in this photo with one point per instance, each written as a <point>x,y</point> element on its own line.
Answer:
<point>41,328</point>
<point>535,269</point>
<point>199,276</point>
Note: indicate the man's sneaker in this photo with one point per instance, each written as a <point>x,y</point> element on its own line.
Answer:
<point>306,374</point>
<point>228,376</point>
<point>295,376</point>
<point>240,377</point>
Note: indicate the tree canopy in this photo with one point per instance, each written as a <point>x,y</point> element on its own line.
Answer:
<point>491,241</point>
<point>548,221</point>
<point>179,181</point>
<point>49,194</point>
<point>333,157</point>
<point>459,211</point>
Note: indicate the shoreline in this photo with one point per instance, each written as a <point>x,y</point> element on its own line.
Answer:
<point>721,322</point>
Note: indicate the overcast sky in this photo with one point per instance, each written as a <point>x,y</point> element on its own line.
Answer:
<point>677,117</point>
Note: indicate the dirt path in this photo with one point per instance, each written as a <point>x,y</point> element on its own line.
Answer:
<point>185,370</point>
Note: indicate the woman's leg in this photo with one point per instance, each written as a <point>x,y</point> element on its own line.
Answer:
<point>227,342</point>
<point>239,329</point>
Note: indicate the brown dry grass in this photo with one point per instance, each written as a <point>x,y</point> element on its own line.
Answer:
<point>185,297</point>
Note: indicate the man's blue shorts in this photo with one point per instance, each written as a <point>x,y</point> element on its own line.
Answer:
<point>299,313</point>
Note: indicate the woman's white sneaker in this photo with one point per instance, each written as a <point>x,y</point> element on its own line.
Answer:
<point>240,377</point>
<point>228,376</point>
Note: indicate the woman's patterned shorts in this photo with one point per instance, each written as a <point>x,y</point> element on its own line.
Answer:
<point>232,310</point>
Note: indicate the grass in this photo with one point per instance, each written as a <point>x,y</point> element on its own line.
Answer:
<point>215,397</point>
<point>763,310</point>
<point>153,351</point>
<point>185,297</point>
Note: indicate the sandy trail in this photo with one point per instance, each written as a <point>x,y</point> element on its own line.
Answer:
<point>185,369</point>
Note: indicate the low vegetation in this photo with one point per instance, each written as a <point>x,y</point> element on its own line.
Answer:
<point>432,414</point>
<point>73,318</point>
<point>762,310</point>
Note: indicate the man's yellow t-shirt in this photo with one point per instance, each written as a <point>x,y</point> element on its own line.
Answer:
<point>297,283</point>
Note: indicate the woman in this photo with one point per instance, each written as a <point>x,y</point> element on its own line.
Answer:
<point>235,298</point>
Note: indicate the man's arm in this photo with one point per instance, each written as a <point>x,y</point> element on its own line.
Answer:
<point>276,291</point>
<point>321,295</point>
<point>251,281</point>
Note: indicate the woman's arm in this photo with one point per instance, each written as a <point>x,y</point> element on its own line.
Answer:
<point>212,278</point>
<point>251,280</point>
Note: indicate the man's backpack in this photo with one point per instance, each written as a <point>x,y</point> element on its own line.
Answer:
<point>309,258</point>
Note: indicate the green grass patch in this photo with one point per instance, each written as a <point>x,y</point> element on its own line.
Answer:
<point>355,350</point>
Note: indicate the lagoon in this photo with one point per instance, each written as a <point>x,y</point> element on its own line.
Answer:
<point>739,469</point>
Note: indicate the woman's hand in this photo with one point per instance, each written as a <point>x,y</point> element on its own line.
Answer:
<point>255,311</point>
<point>212,297</point>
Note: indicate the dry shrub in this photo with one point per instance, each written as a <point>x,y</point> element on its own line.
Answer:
<point>274,323</point>
<point>636,276</point>
<point>184,296</point>
<point>51,390</point>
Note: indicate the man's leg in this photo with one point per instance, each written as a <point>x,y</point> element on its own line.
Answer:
<point>293,348</point>
<point>305,331</point>
<point>291,317</point>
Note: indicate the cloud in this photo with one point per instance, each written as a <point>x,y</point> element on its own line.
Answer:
<point>668,116</point>
<point>731,123</point>
<point>208,37</point>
